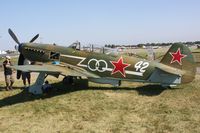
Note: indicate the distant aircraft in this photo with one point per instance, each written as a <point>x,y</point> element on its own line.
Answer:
<point>176,67</point>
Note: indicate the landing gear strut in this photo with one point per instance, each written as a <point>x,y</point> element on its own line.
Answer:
<point>36,88</point>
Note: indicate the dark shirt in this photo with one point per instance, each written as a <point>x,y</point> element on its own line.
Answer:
<point>7,71</point>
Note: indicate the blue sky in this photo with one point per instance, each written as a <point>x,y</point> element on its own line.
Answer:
<point>100,22</point>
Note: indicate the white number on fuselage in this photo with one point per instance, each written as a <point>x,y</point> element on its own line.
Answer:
<point>141,66</point>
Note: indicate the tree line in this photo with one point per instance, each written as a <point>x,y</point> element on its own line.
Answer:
<point>152,44</point>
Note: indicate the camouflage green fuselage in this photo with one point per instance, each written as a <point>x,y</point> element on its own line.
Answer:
<point>97,63</point>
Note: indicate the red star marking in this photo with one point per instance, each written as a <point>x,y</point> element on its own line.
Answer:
<point>177,56</point>
<point>119,66</point>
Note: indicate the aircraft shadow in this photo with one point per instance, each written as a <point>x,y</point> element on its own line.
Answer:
<point>60,89</point>
<point>4,88</point>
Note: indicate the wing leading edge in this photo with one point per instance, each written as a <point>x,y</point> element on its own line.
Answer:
<point>54,70</point>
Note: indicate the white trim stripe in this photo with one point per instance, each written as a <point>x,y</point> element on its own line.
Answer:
<point>134,73</point>
<point>126,71</point>
<point>71,56</point>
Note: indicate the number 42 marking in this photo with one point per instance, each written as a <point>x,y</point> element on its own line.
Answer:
<point>141,66</point>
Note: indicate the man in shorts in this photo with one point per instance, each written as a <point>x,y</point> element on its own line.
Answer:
<point>26,75</point>
<point>8,73</point>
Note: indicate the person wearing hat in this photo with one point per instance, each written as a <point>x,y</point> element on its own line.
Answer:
<point>8,72</point>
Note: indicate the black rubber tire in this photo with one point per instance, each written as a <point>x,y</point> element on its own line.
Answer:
<point>68,80</point>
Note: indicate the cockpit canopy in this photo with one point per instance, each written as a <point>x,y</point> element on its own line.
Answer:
<point>109,51</point>
<point>76,45</point>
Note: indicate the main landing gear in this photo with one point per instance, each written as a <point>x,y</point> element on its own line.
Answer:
<point>36,88</point>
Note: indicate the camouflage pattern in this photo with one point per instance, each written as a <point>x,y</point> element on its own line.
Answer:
<point>100,65</point>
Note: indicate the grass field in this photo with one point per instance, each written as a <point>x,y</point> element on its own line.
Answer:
<point>133,107</point>
<point>137,108</point>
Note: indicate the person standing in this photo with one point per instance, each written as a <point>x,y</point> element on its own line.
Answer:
<point>8,73</point>
<point>26,75</point>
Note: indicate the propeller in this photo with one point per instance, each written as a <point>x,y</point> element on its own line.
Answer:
<point>34,38</point>
<point>20,62</point>
<point>21,56</point>
<point>13,36</point>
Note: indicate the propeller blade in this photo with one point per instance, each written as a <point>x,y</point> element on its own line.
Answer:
<point>34,38</point>
<point>19,73</point>
<point>13,36</point>
<point>20,62</point>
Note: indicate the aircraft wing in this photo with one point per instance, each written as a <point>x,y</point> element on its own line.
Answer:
<point>65,70</point>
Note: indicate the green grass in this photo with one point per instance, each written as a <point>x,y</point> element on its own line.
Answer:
<point>133,107</point>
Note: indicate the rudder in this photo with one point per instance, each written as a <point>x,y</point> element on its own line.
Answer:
<point>179,56</point>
